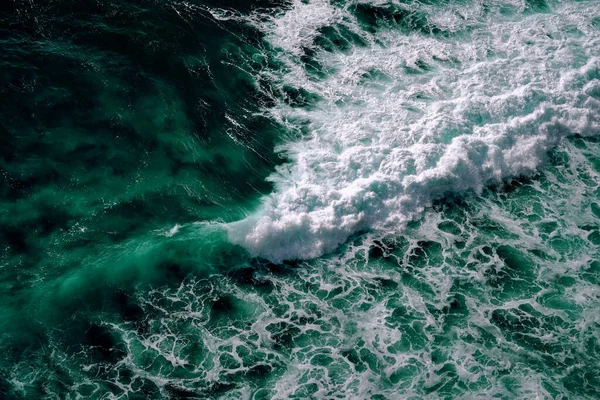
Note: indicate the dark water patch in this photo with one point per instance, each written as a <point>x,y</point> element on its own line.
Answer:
<point>516,277</point>
<point>283,335</point>
<point>426,253</point>
<point>379,250</point>
<point>456,305</point>
<point>419,67</point>
<point>103,344</point>
<point>595,208</point>
<point>338,38</point>
<point>312,66</point>
<point>257,273</point>
<point>299,97</point>
<point>354,358</point>
<point>6,391</point>
<point>247,6</point>
<point>538,6</point>
<point>260,371</point>
<point>455,208</point>
<point>591,272</point>
<point>407,19</point>
<point>581,381</point>
<point>180,393</point>
<point>220,388</point>
<point>387,284</point>
<point>511,186</point>
<point>52,219</point>
<point>223,306</point>
<point>128,307</point>
<point>450,227</point>
<point>175,271</point>
<point>16,238</point>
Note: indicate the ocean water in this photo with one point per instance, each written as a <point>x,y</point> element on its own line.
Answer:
<point>293,199</point>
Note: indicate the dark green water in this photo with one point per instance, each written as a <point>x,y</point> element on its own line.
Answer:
<point>304,199</point>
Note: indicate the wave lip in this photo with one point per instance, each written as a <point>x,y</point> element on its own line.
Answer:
<point>407,119</point>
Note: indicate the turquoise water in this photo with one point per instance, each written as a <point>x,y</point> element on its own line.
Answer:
<point>300,199</point>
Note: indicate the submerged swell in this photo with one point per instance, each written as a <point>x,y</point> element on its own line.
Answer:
<point>391,120</point>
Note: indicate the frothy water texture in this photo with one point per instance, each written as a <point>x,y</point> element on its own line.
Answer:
<point>398,119</point>
<point>341,199</point>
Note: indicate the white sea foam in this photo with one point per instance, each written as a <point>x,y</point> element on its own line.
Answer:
<point>409,118</point>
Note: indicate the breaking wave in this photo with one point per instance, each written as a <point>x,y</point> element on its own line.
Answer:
<point>391,106</point>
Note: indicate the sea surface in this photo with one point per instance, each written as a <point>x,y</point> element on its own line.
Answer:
<point>295,199</point>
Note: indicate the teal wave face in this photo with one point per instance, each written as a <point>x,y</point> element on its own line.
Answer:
<point>370,200</point>
<point>114,129</point>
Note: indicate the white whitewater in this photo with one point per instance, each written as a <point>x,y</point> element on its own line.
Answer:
<point>409,118</point>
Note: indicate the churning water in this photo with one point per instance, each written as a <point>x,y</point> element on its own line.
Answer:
<point>363,199</point>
